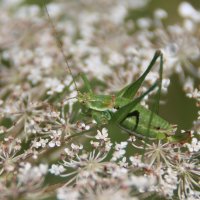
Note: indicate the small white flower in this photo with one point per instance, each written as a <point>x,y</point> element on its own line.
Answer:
<point>35,75</point>
<point>94,121</point>
<point>1,102</point>
<point>56,169</point>
<point>66,193</point>
<point>103,135</point>
<point>46,62</point>
<point>62,121</point>
<point>194,146</point>
<point>95,65</point>
<point>186,10</point>
<point>165,85</point>
<point>116,59</point>
<point>54,85</point>
<point>118,154</point>
<point>2,129</point>
<point>169,182</point>
<point>94,144</point>
<point>43,142</point>
<point>28,11</point>
<point>141,182</point>
<point>87,127</point>
<point>43,168</point>
<point>52,144</point>
<point>160,13</point>
<point>113,110</point>
<point>69,152</point>
<point>54,9</point>
<point>144,23</point>
<point>55,136</point>
<point>123,163</point>
<point>119,150</point>
<point>36,144</point>
<point>118,13</point>
<point>76,147</point>
<point>136,161</point>
<point>119,172</point>
<point>108,146</point>
<point>189,85</point>
<point>194,94</point>
<point>29,173</point>
<point>189,25</point>
<point>120,146</point>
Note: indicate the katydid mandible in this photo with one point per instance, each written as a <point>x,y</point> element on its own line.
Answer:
<point>129,115</point>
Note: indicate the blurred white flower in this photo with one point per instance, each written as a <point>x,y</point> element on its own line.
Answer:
<point>102,135</point>
<point>56,169</point>
<point>160,14</point>
<point>194,146</point>
<point>67,193</point>
<point>187,10</point>
<point>31,174</point>
<point>54,9</point>
<point>118,13</point>
<point>95,65</point>
<point>54,85</point>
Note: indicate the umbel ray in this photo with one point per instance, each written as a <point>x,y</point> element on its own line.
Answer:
<point>121,109</point>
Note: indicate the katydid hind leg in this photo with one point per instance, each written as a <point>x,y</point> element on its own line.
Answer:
<point>130,90</point>
<point>135,114</point>
<point>132,133</point>
<point>125,112</point>
<point>155,107</point>
<point>121,114</point>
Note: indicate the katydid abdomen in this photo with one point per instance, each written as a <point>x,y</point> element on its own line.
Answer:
<point>148,125</point>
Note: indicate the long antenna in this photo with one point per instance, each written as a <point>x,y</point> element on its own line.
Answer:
<point>59,43</point>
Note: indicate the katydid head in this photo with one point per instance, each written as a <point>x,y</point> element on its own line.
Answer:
<point>84,98</point>
<point>88,100</point>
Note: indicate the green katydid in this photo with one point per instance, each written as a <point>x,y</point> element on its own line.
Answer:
<point>129,115</point>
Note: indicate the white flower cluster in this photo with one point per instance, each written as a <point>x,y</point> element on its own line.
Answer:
<point>50,114</point>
